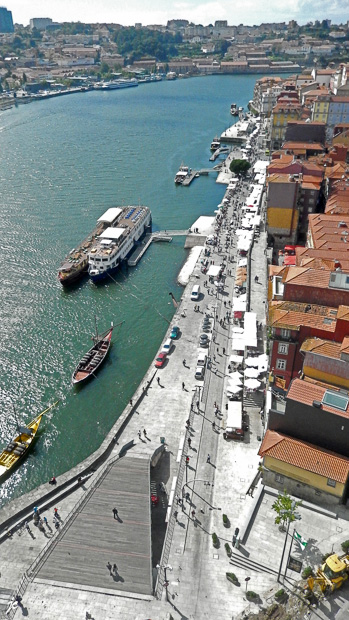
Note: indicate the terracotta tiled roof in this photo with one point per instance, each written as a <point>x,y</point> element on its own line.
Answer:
<point>302,276</point>
<point>306,391</point>
<point>326,348</point>
<point>303,145</point>
<point>317,263</point>
<point>329,231</point>
<point>293,315</point>
<point>345,345</point>
<point>306,456</point>
<point>343,313</point>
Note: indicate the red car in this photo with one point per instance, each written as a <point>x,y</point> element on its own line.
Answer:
<point>160,360</point>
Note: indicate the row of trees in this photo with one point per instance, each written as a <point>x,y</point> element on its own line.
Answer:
<point>139,42</point>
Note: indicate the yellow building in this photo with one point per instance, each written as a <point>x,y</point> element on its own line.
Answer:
<point>282,208</point>
<point>320,109</point>
<point>304,470</point>
<point>281,115</point>
<point>327,361</point>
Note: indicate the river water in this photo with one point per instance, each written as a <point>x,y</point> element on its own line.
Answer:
<point>63,162</point>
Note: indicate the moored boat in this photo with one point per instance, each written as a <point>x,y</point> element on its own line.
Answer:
<point>76,263</point>
<point>182,173</point>
<point>91,361</point>
<point>19,446</point>
<point>116,243</point>
<point>234,109</point>
<point>215,144</point>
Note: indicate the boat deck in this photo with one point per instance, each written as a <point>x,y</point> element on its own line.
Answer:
<point>94,537</point>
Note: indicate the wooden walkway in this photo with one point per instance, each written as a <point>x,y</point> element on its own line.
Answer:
<point>95,538</point>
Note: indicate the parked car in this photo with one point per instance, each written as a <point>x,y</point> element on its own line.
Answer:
<point>175,332</point>
<point>168,344</point>
<point>199,372</point>
<point>160,360</point>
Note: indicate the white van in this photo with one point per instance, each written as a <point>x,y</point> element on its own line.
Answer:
<point>195,294</point>
<point>199,372</point>
<point>202,357</point>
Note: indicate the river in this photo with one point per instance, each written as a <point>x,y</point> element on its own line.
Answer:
<point>63,162</point>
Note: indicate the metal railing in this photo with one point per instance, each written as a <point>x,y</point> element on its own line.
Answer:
<point>160,581</point>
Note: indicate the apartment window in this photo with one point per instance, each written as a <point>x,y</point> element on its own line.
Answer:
<point>330,482</point>
<point>279,478</point>
<point>285,333</point>
<point>283,348</point>
<point>280,364</point>
<point>311,201</point>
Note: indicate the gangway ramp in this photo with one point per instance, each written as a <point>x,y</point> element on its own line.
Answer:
<point>94,537</point>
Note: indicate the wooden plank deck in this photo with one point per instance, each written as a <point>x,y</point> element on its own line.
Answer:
<point>95,538</point>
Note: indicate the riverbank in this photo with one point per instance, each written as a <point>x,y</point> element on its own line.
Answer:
<point>162,403</point>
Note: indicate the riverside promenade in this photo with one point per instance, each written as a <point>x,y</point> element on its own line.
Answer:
<point>173,408</point>
<point>69,572</point>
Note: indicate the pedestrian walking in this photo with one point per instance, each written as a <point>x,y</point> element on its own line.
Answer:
<point>45,521</point>
<point>213,425</point>
<point>187,496</point>
<point>144,432</point>
<point>193,514</point>
<point>189,442</point>
<point>223,350</point>
<point>208,460</point>
<point>27,526</point>
<point>115,569</point>
<point>184,362</point>
<point>175,514</point>
<point>158,380</point>
<point>131,402</point>
<point>183,385</point>
<point>139,434</point>
<point>115,513</point>
<point>55,512</point>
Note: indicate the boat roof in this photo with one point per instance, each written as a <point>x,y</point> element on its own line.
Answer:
<point>110,215</point>
<point>112,233</point>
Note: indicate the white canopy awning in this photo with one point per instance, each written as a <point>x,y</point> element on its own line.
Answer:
<point>112,233</point>
<point>214,270</point>
<point>235,359</point>
<point>252,384</point>
<point>110,215</point>
<point>251,373</point>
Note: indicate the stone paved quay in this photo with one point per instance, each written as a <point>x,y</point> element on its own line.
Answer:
<point>67,581</point>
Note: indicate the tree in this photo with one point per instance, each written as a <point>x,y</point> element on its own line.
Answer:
<point>239,166</point>
<point>285,507</point>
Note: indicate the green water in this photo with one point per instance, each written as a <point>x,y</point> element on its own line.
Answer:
<point>63,162</point>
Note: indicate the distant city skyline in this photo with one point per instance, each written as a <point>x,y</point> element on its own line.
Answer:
<point>249,12</point>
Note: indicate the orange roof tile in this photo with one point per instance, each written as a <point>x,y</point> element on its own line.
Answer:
<point>317,263</point>
<point>306,391</point>
<point>303,145</point>
<point>305,456</point>
<point>326,348</point>
<point>345,345</point>
<point>343,313</point>
<point>302,276</point>
<point>293,315</point>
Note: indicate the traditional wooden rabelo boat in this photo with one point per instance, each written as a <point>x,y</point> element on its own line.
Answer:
<point>19,446</point>
<point>91,361</point>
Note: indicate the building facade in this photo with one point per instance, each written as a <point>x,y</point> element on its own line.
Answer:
<point>6,22</point>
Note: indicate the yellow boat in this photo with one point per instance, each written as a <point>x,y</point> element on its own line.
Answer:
<point>19,446</point>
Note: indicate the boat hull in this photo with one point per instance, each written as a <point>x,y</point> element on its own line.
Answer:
<point>18,448</point>
<point>71,278</point>
<point>92,360</point>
